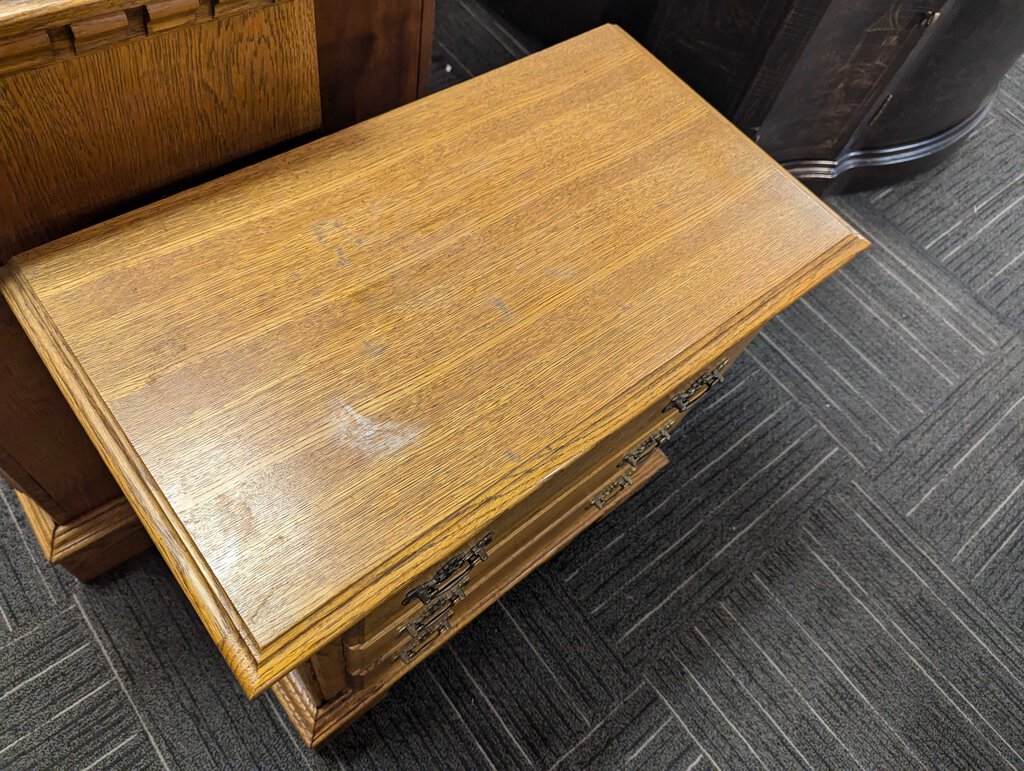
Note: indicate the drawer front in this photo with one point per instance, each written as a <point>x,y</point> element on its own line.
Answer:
<point>555,530</point>
<point>425,608</point>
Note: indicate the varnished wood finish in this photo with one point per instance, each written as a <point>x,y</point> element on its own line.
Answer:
<point>119,123</point>
<point>106,103</point>
<point>105,122</point>
<point>92,543</point>
<point>43,450</point>
<point>554,526</point>
<point>317,717</point>
<point>565,494</point>
<point>403,329</point>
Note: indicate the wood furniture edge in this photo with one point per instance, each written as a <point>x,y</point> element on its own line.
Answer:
<point>257,668</point>
<point>318,722</point>
<point>730,127</point>
<point>428,12</point>
<point>155,513</point>
<point>90,544</point>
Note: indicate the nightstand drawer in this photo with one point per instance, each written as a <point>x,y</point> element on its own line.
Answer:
<point>425,611</point>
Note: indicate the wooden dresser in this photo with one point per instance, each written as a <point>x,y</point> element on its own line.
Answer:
<point>108,103</point>
<point>357,391</point>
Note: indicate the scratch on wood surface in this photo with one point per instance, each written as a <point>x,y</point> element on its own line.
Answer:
<point>371,435</point>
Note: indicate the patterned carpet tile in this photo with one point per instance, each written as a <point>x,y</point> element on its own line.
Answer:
<point>61,703</point>
<point>851,646</point>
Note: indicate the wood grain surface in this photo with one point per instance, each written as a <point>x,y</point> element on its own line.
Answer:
<point>316,377</point>
<point>318,712</point>
<point>199,98</point>
<point>44,451</point>
<point>90,544</point>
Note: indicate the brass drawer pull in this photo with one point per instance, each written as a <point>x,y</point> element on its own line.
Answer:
<point>420,627</point>
<point>646,448</point>
<point>452,575</point>
<point>407,655</point>
<point>693,393</point>
<point>633,459</point>
<point>616,487</point>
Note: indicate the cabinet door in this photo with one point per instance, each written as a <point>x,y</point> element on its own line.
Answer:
<point>840,81</point>
<point>973,47</point>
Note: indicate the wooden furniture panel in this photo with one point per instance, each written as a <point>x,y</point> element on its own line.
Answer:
<point>108,103</point>
<point>554,532</point>
<point>373,56</point>
<point>464,310</point>
<point>155,111</point>
<point>317,717</point>
<point>91,544</point>
<point>406,642</point>
<point>61,471</point>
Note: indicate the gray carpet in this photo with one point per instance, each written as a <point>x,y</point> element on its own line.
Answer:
<point>830,574</point>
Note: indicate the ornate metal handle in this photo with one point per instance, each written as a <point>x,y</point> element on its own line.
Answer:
<point>646,448</point>
<point>693,393</point>
<point>437,614</point>
<point>616,487</point>
<point>452,575</point>
<point>633,459</point>
<point>418,646</point>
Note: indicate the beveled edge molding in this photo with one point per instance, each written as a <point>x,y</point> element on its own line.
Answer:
<point>317,719</point>
<point>828,170</point>
<point>259,667</point>
<point>30,49</point>
<point>91,544</point>
<point>316,723</point>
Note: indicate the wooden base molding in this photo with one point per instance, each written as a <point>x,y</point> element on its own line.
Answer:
<point>91,544</point>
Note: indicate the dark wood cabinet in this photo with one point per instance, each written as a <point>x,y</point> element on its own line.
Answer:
<point>845,93</point>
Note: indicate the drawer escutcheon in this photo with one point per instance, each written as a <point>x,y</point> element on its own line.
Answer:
<point>621,483</point>
<point>406,655</point>
<point>633,459</point>
<point>644,450</point>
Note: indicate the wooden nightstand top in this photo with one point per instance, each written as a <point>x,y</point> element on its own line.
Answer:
<point>316,376</point>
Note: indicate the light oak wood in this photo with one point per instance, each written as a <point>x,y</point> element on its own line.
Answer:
<point>90,133</point>
<point>317,718</point>
<point>319,376</point>
<point>106,103</point>
<point>566,493</point>
<point>554,527</point>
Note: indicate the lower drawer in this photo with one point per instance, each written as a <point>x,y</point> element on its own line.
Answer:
<point>402,652</point>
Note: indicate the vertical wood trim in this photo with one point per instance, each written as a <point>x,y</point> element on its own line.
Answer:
<point>329,666</point>
<point>44,450</point>
<point>370,56</point>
